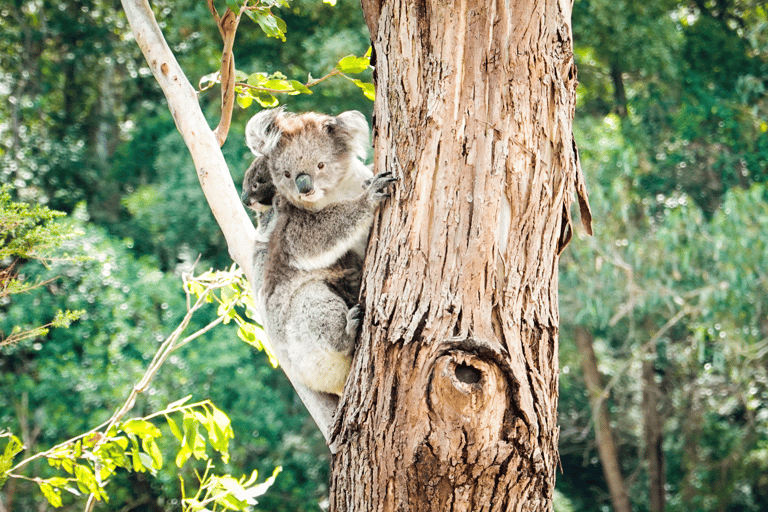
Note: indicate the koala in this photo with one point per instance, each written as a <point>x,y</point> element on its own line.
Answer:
<point>258,194</point>
<point>258,189</point>
<point>324,200</point>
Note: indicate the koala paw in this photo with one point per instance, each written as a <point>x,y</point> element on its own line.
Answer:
<point>377,189</point>
<point>354,317</point>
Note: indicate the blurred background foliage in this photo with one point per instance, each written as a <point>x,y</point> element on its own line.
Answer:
<point>672,124</point>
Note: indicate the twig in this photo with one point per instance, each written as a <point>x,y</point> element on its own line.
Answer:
<point>168,346</point>
<point>685,310</point>
<point>227,25</point>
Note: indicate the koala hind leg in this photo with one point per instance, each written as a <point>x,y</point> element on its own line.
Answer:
<point>321,331</point>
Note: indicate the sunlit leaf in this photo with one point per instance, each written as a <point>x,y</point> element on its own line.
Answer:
<point>141,428</point>
<point>244,101</point>
<point>265,99</point>
<point>52,495</point>
<point>174,428</point>
<point>300,87</point>
<point>368,89</point>
<point>353,65</point>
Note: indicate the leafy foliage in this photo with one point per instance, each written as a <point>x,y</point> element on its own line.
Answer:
<point>28,232</point>
<point>660,278</point>
<point>90,460</point>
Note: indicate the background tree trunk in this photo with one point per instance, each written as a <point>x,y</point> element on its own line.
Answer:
<point>606,447</point>
<point>653,431</point>
<point>451,403</point>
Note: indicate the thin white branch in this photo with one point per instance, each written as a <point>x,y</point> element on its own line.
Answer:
<point>211,169</point>
<point>182,100</point>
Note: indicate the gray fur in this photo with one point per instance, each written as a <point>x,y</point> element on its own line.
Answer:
<point>323,214</point>
<point>258,189</point>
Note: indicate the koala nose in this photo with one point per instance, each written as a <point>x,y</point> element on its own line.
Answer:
<point>304,183</point>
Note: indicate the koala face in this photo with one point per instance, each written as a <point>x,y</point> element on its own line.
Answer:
<point>308,163</point>
<point>307,155</point>
<point>258,189</point>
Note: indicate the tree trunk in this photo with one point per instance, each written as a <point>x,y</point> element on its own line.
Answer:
<point>606,448</point>
<point>653,433</point>
<point>619,93</point>
<point>451,403</point>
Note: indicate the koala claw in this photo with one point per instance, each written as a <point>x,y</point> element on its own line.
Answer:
<point>354,317</point>
<point>376,189</point>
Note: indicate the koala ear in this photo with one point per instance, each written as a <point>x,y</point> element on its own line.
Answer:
<point>354,128</point>
<point>262,133</point>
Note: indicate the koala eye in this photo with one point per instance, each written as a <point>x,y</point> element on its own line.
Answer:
<point>320,165</point>
<point>287,174</point>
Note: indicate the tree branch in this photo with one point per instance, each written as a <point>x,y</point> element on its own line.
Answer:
<point>202,143</point>
<point>211,168</point>
<point>227,28</point>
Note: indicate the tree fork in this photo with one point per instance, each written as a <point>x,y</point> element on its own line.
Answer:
<point>452,399</point>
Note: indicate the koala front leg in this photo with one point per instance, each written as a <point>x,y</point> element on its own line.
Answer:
<point>328,234</point>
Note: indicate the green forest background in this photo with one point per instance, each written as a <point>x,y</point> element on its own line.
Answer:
<point>672,125</point>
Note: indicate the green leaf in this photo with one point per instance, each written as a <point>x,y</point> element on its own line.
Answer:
<point>183,456</point>
<point>240,76</point>
<point>151,448</point>
<point>234,6</point>
<point>256,79</point>
<point>281,25</point>
<point>84,475</point>
<point>265,99</point>
<point>12,448</point>
<point>174,428</point>
<point>300,87</point>
<point>192,438</point>
<point>220,432</point>
<point>136,455</point>
<point>52,495</point>
<point>196,288</point>
<point>353,65</point>
<point>278,85</point>
<point>270,24</point>
<point>105,471</point>
<point>244,100</point>
<point>198,447</point>
<point>141,428</point>
<point>368,89</point>
<point>247,333</point>
<point>58,481</point>
<point>147,462</point>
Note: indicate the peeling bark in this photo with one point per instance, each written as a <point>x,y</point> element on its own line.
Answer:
<point>451,403</point>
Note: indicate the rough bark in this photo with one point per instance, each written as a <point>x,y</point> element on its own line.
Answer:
<point>451,403</point>
<point>606,447</point>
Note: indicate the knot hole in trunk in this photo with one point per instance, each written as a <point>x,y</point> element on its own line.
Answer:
<point>466,386</point>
